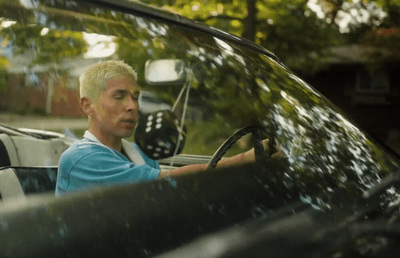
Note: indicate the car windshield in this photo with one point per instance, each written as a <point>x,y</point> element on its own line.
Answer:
<point>215,86</point>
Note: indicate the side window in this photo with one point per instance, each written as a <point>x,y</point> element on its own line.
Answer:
<point>377,82</point>
<point>231,86</point>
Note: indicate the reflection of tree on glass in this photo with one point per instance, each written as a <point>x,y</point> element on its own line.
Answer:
<point>233,83</point>
<point>109,97</point>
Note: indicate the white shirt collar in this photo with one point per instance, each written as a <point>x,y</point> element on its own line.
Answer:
<point>130,150</point>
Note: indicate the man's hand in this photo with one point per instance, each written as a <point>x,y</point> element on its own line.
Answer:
<point>277,152</point>
<point>249,155</point>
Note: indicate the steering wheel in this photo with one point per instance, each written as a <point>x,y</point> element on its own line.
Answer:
<point>256,131</point>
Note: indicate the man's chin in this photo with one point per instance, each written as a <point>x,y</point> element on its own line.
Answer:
<point>126,134</point>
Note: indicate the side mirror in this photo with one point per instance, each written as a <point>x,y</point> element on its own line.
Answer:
<point>165,71</point>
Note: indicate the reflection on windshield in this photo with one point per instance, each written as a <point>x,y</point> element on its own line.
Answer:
<point>231,87</point>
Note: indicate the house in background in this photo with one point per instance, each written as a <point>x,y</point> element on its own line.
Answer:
<point>40,89</point>
<point>366,89</point>
<point>51,88</point>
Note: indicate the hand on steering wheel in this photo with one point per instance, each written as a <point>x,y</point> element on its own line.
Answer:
<point>260,146</point>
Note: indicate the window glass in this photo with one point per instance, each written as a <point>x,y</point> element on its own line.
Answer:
<point>231,87</point>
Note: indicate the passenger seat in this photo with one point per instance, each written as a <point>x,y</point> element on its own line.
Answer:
<point>17,182</point>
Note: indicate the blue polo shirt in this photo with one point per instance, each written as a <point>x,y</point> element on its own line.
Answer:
<point>89,163</point>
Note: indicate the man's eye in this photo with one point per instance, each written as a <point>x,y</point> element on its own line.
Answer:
<point>119,96</point>
<point>135,96</point>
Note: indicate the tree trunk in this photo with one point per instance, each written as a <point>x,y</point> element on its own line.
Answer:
<point>249,30</point>
<point>49,96</point>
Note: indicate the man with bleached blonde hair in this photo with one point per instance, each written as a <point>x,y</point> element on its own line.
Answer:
<point>109,97</point>
<point>94,80</point>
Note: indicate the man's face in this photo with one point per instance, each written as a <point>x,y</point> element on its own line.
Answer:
<point>116,110</point>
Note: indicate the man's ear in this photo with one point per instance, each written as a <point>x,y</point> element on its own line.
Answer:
<point>86,106</point>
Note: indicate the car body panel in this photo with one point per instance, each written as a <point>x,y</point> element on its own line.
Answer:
<point>152,217</point>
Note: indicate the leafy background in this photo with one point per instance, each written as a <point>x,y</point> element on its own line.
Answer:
<point>300,32</point>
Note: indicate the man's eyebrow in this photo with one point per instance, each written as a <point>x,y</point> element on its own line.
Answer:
<point>120,91</point>
<point>126,92</point>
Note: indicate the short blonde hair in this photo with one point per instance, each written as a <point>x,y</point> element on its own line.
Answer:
<point>94,79</point>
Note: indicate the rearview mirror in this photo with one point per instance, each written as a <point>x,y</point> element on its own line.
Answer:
<point>165,71</point>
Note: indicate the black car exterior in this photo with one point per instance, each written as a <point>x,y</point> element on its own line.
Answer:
<point>335,192</point>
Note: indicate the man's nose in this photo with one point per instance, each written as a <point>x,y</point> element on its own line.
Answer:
<point>131,104</point>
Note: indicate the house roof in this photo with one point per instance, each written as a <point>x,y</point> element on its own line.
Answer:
<point>352,54</point>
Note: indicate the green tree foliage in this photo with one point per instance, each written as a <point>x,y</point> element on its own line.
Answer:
<point>45,44</point>
<point>288,28</point>
<point>373,23</point>
<point>29,34</point>
<point>299,31</point>
<point>392,10</point>
<point>384,40</point>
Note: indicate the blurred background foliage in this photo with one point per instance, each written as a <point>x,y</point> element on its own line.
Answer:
<point>300,32</point>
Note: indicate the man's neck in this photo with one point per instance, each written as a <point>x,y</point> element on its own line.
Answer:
<point>112,142</point>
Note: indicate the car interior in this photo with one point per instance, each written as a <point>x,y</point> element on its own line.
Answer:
<point>18,182</point>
